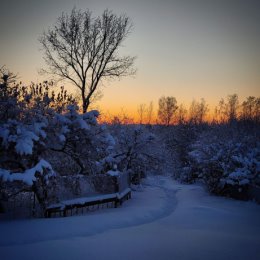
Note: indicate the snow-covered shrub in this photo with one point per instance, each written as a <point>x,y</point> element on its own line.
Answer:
<point>25,115</point>
<point>80,138</point>
<point>39,179</point>
<point>178,140</point>
<point>228,159</point>
<point>137,150</point>
<point>41,126</point>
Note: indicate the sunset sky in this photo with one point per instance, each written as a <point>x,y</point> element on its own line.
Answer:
<point>188,49</point>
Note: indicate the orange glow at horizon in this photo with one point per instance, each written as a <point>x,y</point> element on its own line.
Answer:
<point>122,98</point>
<point>125,101</point>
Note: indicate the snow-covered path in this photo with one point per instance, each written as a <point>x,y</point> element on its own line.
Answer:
<point>166,220</point>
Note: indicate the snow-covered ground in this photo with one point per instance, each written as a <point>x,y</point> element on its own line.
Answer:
<point>166,220</point>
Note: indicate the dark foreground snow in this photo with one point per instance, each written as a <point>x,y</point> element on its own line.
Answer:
<point>165,220</point>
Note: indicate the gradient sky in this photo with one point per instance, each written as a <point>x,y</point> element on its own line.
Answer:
<point>188,49</point>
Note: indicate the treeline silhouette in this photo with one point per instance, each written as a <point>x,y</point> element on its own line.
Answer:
<point>169,112</point>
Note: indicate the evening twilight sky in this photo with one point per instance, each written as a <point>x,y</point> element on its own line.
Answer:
<point>188,49</point>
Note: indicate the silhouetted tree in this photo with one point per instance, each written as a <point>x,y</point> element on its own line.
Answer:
<point>198,111</point>
<point>6,77</point>
<point>84,50</point>
<point>150,113</point>
<point>227,111</point>
<point>182,114</point>
<point>167,108</point>
<point>232,107</point>
<point>219,114</point>
<point>141,110</point>
<point>251,109</point>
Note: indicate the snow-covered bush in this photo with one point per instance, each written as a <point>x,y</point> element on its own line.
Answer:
<point>22,146</point>
<point>25,116</point>
<point>81,139</point>
<point>39,179</point>
<point>228,158</point>
<point>178,140</point>
<point>40,127</point>
<point>137,150</point>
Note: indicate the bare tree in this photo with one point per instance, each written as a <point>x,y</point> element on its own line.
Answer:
<point>141,111</point>
<point>232,106</point>
<point>167,108</point>
<point>257,110</point>
<point>150,113</point>
<point>198,111</point>
<point>84,50</point>
<point>181,114</point>
<point>219,114</point>
<point>251,109</point>
<point>228,111</point>
<point>6,77</point>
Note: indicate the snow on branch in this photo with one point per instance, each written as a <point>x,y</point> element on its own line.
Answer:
<point>30,175</point>
<point>22,135</point>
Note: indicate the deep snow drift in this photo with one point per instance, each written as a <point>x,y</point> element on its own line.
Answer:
<point>165,220</point>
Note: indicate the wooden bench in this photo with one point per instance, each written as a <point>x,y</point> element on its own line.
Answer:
<point>64,207</point>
